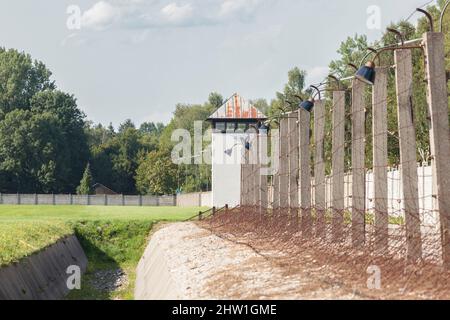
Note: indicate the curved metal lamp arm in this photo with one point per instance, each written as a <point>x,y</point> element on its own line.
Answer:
<point>335,79</point>
<point>353,66</point>
<point>396,48</point>
<point>318,92</point>
<point>371,51</point>
<point>398,33</point>
<point>429,17</point>
<point>441,19</point>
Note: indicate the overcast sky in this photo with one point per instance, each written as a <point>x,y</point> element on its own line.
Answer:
<point>137,58</point>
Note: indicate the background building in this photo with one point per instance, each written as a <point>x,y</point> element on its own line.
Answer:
<point>232,125</point>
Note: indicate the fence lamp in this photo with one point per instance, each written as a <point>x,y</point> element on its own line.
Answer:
<point>367,72</point>
<point>308,105</point>
<point>244,142</point>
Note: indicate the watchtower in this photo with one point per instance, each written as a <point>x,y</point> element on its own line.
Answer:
<point>232,124</point>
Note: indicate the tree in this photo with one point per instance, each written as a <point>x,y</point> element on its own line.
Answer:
<point>293,89</point>
<point>352,50</point>
<point>72,149</point>
<point>156,174</point>
<point>151,128</point>
<point>86,183</point>
<point>128,124</point>
<point>43,146</point>
<point>215,100</point>
<point>31,154</point>
<point>261,105</point>
<point>22,78</point>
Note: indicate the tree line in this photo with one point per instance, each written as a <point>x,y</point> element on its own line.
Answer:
<point>48,146</point>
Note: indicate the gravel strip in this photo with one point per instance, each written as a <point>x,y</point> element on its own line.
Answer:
<point>205,266</point>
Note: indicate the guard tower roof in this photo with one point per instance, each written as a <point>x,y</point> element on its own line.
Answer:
<point>237,108</point>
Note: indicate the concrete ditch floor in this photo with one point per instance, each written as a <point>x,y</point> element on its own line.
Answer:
<point>184,261</point>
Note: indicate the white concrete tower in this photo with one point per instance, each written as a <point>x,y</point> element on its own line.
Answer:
<point>231,124</point>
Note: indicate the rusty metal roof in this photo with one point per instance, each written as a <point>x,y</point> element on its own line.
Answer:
<point>237,107</point>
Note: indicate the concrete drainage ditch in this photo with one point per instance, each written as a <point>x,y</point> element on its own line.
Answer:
<point>43,275</point>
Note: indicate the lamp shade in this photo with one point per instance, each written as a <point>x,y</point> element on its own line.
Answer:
<point>228,152</point>
<point>308,105</point>
<point>367,73</point>
<point>263,128</point>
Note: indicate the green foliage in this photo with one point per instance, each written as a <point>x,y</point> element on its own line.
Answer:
<point>42,142</point>
<point>352,50</point>
<point>116,156</point>
<point>156,174</point>
<point>86,183</point>
<point>21,79</point>
<point>106,241</point>
<point>215,100</point>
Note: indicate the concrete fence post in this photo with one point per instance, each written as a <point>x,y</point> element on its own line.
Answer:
<point>304,176</point>
<point>71,199</point>
<point>358,164</point>
<point>380,158</point>
<point>276,170</point>
<point>18,198</point>
<point>319,168</point>
<point>337,192</point>
<point>408,159</point>
<point>263,194</point>
<point>293,131</point>
<point>1,198</point>
<point>36,199</point>
<point>284,164</point>
<point>439,134</point>
<point>123,200</point>
<point>257,173</point>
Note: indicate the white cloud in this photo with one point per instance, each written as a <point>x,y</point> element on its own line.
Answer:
<point>317,74</point>
<point>165,13</point>
<point>239,7</point>
<point>100,16</point>
<point>177,13</point>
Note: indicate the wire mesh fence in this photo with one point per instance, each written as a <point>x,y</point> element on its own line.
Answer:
<point>381,232</point>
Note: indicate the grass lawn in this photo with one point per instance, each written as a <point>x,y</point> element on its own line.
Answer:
<point>66,213</point>
<point>112,237</point>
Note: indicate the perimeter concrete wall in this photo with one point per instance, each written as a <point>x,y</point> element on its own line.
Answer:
<point>86,200</point>
<point>203,199</point>
<point>42,276</point>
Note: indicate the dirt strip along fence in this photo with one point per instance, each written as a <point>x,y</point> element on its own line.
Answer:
<point>361,220</point>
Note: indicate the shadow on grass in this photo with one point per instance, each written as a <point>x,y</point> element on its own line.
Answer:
<point>111,248</point>
<point>98,260</point>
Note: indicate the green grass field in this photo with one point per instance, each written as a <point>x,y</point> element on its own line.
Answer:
<point>75,213</point>
<point>112,237</point>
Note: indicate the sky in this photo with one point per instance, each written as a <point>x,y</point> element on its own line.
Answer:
<point>136,59</point>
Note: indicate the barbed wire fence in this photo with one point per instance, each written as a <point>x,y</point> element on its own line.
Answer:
<point>349,224</point>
